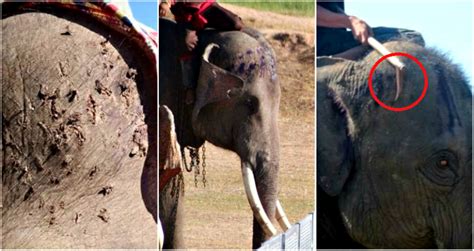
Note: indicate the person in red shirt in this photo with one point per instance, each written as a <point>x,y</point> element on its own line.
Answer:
<point>196,16</point>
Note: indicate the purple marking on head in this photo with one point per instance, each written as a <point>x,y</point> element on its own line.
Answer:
<point>241,68</point>
<point>273,71</point>
<point>249,52</point>
<point>252,66</point>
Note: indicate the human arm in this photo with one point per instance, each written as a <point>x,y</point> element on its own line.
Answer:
<point>164,8</point>
<point>360,29</point>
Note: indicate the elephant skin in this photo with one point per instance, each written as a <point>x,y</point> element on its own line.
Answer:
<point>171,180</point>
<point>394,179</point>
<point>79,130</point>
<point>245,123</point>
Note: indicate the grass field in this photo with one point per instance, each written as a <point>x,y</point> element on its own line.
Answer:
<point>294,8</point>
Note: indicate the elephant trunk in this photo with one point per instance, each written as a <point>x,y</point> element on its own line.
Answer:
<point>254,200</point>
<point>260,182</point>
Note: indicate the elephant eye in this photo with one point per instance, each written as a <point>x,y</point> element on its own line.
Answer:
<point>443,163</point>
<point>252,104</point>
<point>441,168</point>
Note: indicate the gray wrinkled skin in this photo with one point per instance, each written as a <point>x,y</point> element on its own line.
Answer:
<point>401,180</point>
<point>245,124</point>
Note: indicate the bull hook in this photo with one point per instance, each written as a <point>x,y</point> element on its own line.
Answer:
<point>399,66</point>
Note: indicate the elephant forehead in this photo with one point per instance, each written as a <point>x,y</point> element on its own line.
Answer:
<point>254,62</point>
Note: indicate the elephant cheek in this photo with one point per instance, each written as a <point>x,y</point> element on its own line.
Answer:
<point>452,228</point>
<point>452,218</point>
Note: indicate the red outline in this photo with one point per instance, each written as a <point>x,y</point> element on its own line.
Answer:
<point>408,107</point>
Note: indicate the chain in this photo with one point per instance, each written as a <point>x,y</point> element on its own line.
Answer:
<point>176,191</point>
<point>181,182</point>
<point>194,153</point>
<point>204,164</point>
<point>177,185</point>
<point>195,163</point>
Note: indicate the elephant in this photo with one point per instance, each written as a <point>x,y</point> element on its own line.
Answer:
<point>169,159</point>
<point>393,179</point>
<point>236,108</point>
<point>171,166</point>
<point>78,132</point>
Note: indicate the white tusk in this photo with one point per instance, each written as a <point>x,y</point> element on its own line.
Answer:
<point>281,217</point>
<point>208,50</point>
<point>255,203</point>
<point>161,236</point>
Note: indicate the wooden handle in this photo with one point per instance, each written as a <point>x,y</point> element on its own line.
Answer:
<point>399,66</point>
<point>382,50</point>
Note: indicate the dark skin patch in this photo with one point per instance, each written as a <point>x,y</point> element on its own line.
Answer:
<point>252,66</point>
<point>241,68</point>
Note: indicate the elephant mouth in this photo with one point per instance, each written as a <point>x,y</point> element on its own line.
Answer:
<point>257,207</point>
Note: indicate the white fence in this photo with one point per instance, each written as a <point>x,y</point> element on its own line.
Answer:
<point>300,236</point>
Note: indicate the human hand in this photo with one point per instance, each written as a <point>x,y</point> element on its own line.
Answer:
<point>191,39</point>
<point>164,9</point>
<point>360,29</point>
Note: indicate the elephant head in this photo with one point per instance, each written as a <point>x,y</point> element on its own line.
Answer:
<point>400,179</point>
<point>236,108</point>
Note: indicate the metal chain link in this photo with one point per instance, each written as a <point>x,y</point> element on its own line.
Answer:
<point>195,162</point>
<point>177,185</point>
<point>204,164</point>
<point>181,182</point>
<point>176,191</point>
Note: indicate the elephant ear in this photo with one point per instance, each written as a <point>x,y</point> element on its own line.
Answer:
<point>214,84</point>
<point>334,124</point>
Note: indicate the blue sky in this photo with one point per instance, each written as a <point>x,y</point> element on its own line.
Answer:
<point>446,25</point>
<point>145,11</point>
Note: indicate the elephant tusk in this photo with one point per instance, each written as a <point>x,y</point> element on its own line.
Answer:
<point>161,235</point>
<point>281,217</point>
<point>255,203</point>
<point>208,51</point>
<point>399,66</point>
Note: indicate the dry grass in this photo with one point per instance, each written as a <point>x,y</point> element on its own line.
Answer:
<point>271,20</point>
<point>286,7</point>
<point>292,38</point>
<point>219,215</point>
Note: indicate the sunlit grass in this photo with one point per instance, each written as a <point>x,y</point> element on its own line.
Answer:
<point>294,8</point>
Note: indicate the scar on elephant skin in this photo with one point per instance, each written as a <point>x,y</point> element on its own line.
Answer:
<point>67,32</point>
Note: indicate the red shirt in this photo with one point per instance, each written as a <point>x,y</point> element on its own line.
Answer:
<point>191,12</point>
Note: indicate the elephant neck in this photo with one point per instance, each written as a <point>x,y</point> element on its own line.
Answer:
<point>184,128</point>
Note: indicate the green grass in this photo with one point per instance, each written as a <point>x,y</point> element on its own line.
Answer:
<point>294,8</point>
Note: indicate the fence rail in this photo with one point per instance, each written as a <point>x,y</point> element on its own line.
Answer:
<point>299,236</point>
